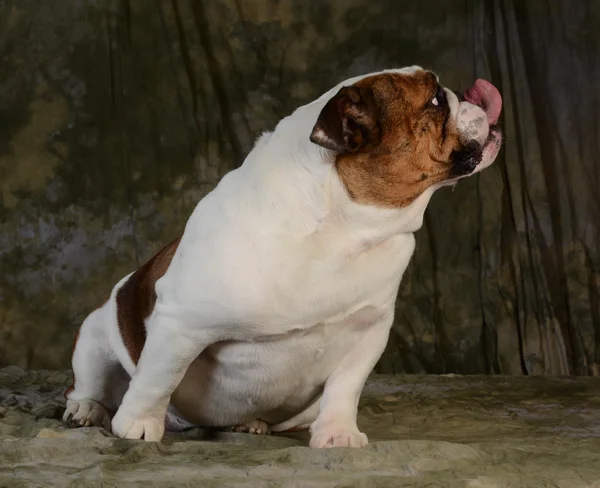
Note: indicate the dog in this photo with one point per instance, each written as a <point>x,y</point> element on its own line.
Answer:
<point>273,307</point>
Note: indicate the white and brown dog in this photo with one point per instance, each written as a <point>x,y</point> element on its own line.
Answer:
<point>274,306</point>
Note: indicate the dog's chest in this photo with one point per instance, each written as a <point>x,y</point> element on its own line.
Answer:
<point>300,292</point>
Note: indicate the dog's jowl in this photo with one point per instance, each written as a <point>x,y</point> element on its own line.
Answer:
<point>273,307</point>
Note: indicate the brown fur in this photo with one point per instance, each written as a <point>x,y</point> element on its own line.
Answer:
<point>397,149</point>
<point>136,299</point>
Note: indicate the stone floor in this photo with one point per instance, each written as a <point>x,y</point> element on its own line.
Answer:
<point>425,431</point>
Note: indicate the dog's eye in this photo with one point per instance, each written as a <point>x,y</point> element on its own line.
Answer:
<point>440,98</point>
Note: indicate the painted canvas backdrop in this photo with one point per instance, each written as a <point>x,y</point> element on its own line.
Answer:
<point>117,116</point>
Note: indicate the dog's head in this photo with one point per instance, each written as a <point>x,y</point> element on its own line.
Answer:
<point>397,133</point>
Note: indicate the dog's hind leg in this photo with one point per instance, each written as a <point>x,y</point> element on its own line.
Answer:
<point>99,381</point>
<point>257,426</point>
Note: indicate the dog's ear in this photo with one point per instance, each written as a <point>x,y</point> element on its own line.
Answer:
<point>349,122</point>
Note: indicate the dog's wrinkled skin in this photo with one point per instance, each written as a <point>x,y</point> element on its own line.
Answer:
<point>274,306</point>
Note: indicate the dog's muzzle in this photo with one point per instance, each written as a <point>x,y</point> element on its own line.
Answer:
<point>486,96</point>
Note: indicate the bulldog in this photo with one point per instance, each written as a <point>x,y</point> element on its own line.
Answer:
<point>271,310</point>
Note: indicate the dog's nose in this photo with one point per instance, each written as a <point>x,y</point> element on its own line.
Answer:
<point>472,123</point>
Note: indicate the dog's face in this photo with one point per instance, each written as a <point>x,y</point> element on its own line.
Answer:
<point>396,134</point>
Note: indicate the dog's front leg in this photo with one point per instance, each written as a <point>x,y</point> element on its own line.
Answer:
<point>170,347</point>
<point>335,425</point>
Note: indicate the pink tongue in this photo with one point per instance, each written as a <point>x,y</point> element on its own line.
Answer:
<point>486,96</point>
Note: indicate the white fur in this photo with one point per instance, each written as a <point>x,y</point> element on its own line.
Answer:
<point>277,304</point>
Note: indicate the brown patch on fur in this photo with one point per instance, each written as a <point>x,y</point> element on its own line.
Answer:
<point>409,143</point>
<point>136,299</point>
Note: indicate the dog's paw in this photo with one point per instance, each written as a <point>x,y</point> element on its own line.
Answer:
<point>86,413</point>
<point>257,426</point>
<point>337,437</point>
<point>149,428</point>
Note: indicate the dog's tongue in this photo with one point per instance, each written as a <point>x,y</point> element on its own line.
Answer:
<point>486,96</point>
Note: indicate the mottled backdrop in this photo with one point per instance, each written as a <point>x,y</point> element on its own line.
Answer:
<point>116,116</point>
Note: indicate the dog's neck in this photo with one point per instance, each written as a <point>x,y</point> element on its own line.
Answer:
<point>307,172</point>
<point>294,173</point>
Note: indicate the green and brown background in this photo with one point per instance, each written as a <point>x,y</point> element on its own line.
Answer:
<point>117,116</point>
